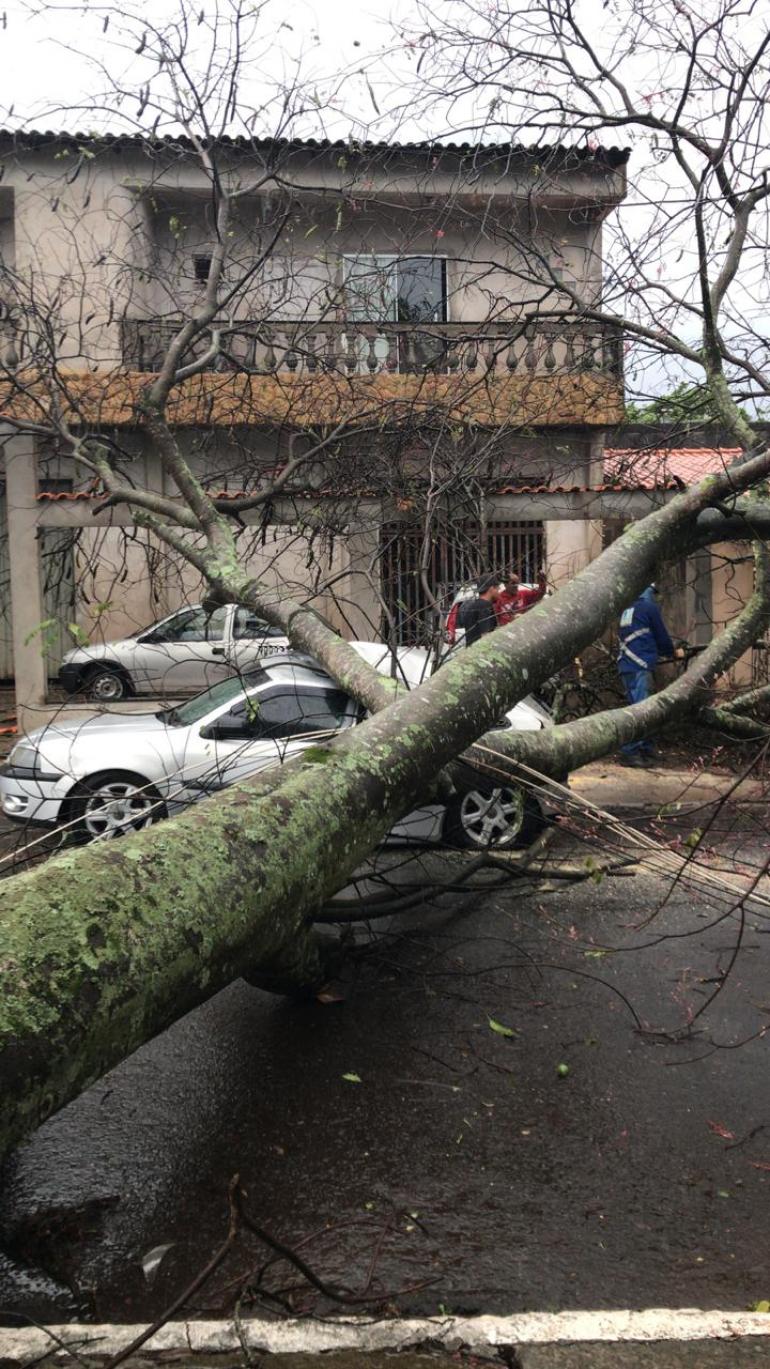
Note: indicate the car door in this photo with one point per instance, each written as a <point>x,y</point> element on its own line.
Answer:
<point>267,727</point>
<point>184,653</point>
<point>252,640</point>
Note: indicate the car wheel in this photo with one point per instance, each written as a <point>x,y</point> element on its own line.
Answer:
<point>505,818</point>
<point>107,684</point>
<point>111,804</point>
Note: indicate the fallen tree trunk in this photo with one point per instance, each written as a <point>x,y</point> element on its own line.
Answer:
<point>104,947</point>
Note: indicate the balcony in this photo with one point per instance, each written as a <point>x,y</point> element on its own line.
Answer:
<point>313,374</point>
<point>463,350</point>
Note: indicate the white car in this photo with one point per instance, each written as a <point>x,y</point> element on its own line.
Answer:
<point>103,776</point>
<point>182,654</point>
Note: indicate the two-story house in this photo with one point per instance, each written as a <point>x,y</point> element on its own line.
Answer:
<point>402,326</point>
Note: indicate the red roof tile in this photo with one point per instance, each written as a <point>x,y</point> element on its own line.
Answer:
<point>625,469</point>
<point>665,467</point>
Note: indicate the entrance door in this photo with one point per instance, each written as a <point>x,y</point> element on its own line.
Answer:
<point>460,551</point>
<point>57,573</point>
<point>57,570</point>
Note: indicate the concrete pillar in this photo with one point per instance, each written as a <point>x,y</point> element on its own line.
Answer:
<point>363,611</point>
<point>571,545</point>
<point>25,578</point>
<point>700,625</point>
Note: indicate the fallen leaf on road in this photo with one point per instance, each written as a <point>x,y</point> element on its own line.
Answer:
<point>330,993</point>
<point>152,1260</point>
<point>500,1029</point>
<point>720,1130</point>
<point>760,1164</point>
<point>352,1078</point>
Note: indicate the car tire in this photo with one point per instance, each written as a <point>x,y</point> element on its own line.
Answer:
<point>110,804</point>
<point>107,684</point>
<point>505,819</point>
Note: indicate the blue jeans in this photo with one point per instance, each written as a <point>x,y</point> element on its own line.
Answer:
<point>638,685</point>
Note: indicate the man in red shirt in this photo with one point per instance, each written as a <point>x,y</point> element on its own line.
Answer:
<point>515,599</point>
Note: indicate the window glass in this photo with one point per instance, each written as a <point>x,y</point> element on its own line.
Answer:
<point>194,625</point>
<point>184,715</point>
<point>370,288</point>
<point>386,289</point>
<point>295,712</point>
<point>247,625</point>
<point>421,292</point>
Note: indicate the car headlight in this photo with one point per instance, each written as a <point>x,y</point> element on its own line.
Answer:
<point>25,755</point>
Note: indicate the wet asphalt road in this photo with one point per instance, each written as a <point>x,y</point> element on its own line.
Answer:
<point>577,1163</point>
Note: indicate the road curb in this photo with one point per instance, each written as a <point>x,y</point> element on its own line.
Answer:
<point>477,1335</point>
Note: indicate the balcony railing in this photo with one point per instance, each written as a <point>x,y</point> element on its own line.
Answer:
<point>371,349</point>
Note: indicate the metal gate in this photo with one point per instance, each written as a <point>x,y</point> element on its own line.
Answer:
<point>459,552</point>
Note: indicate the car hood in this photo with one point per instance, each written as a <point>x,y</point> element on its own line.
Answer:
<point>109,730</point>
<point>97,651</point>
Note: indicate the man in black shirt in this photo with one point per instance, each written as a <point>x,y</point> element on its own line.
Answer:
<point>477,616</point>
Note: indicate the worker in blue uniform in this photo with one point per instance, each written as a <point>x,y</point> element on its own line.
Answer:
<point>644,640</point>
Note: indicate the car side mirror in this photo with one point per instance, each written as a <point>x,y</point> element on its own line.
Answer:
<point>228,728</point>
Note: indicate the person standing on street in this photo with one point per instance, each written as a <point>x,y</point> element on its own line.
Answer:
<point>516,598</point>
<point>477,616</point>
<point>644,639</point>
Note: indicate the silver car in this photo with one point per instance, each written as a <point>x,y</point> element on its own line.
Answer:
<point>182,654</point>
<point>103,776</point>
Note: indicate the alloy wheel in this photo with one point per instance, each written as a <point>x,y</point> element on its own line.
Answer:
<point>493,819</point>
<point>116,808</point>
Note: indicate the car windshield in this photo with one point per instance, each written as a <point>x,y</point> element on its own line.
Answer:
<point>194,709</point>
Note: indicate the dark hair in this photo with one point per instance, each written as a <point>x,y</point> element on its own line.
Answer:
<point>488,582</point>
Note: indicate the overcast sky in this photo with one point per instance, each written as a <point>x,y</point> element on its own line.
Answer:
<point>45,63</point>
<point>50,69</point>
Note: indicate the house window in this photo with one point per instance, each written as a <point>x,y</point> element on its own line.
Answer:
<point>380,288</point>
<point>408,292</point>
<point>201,268</point>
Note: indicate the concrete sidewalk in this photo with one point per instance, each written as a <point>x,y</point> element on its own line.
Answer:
<point>611,785</point>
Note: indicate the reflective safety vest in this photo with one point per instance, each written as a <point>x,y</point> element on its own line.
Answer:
<point>625,649</point>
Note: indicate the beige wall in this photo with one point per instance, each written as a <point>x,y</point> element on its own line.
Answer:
<point>95,235</point>
<point>491,274</point>
<point>126,581</point>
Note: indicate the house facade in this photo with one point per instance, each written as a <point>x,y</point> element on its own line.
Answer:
<point>400,387</point>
